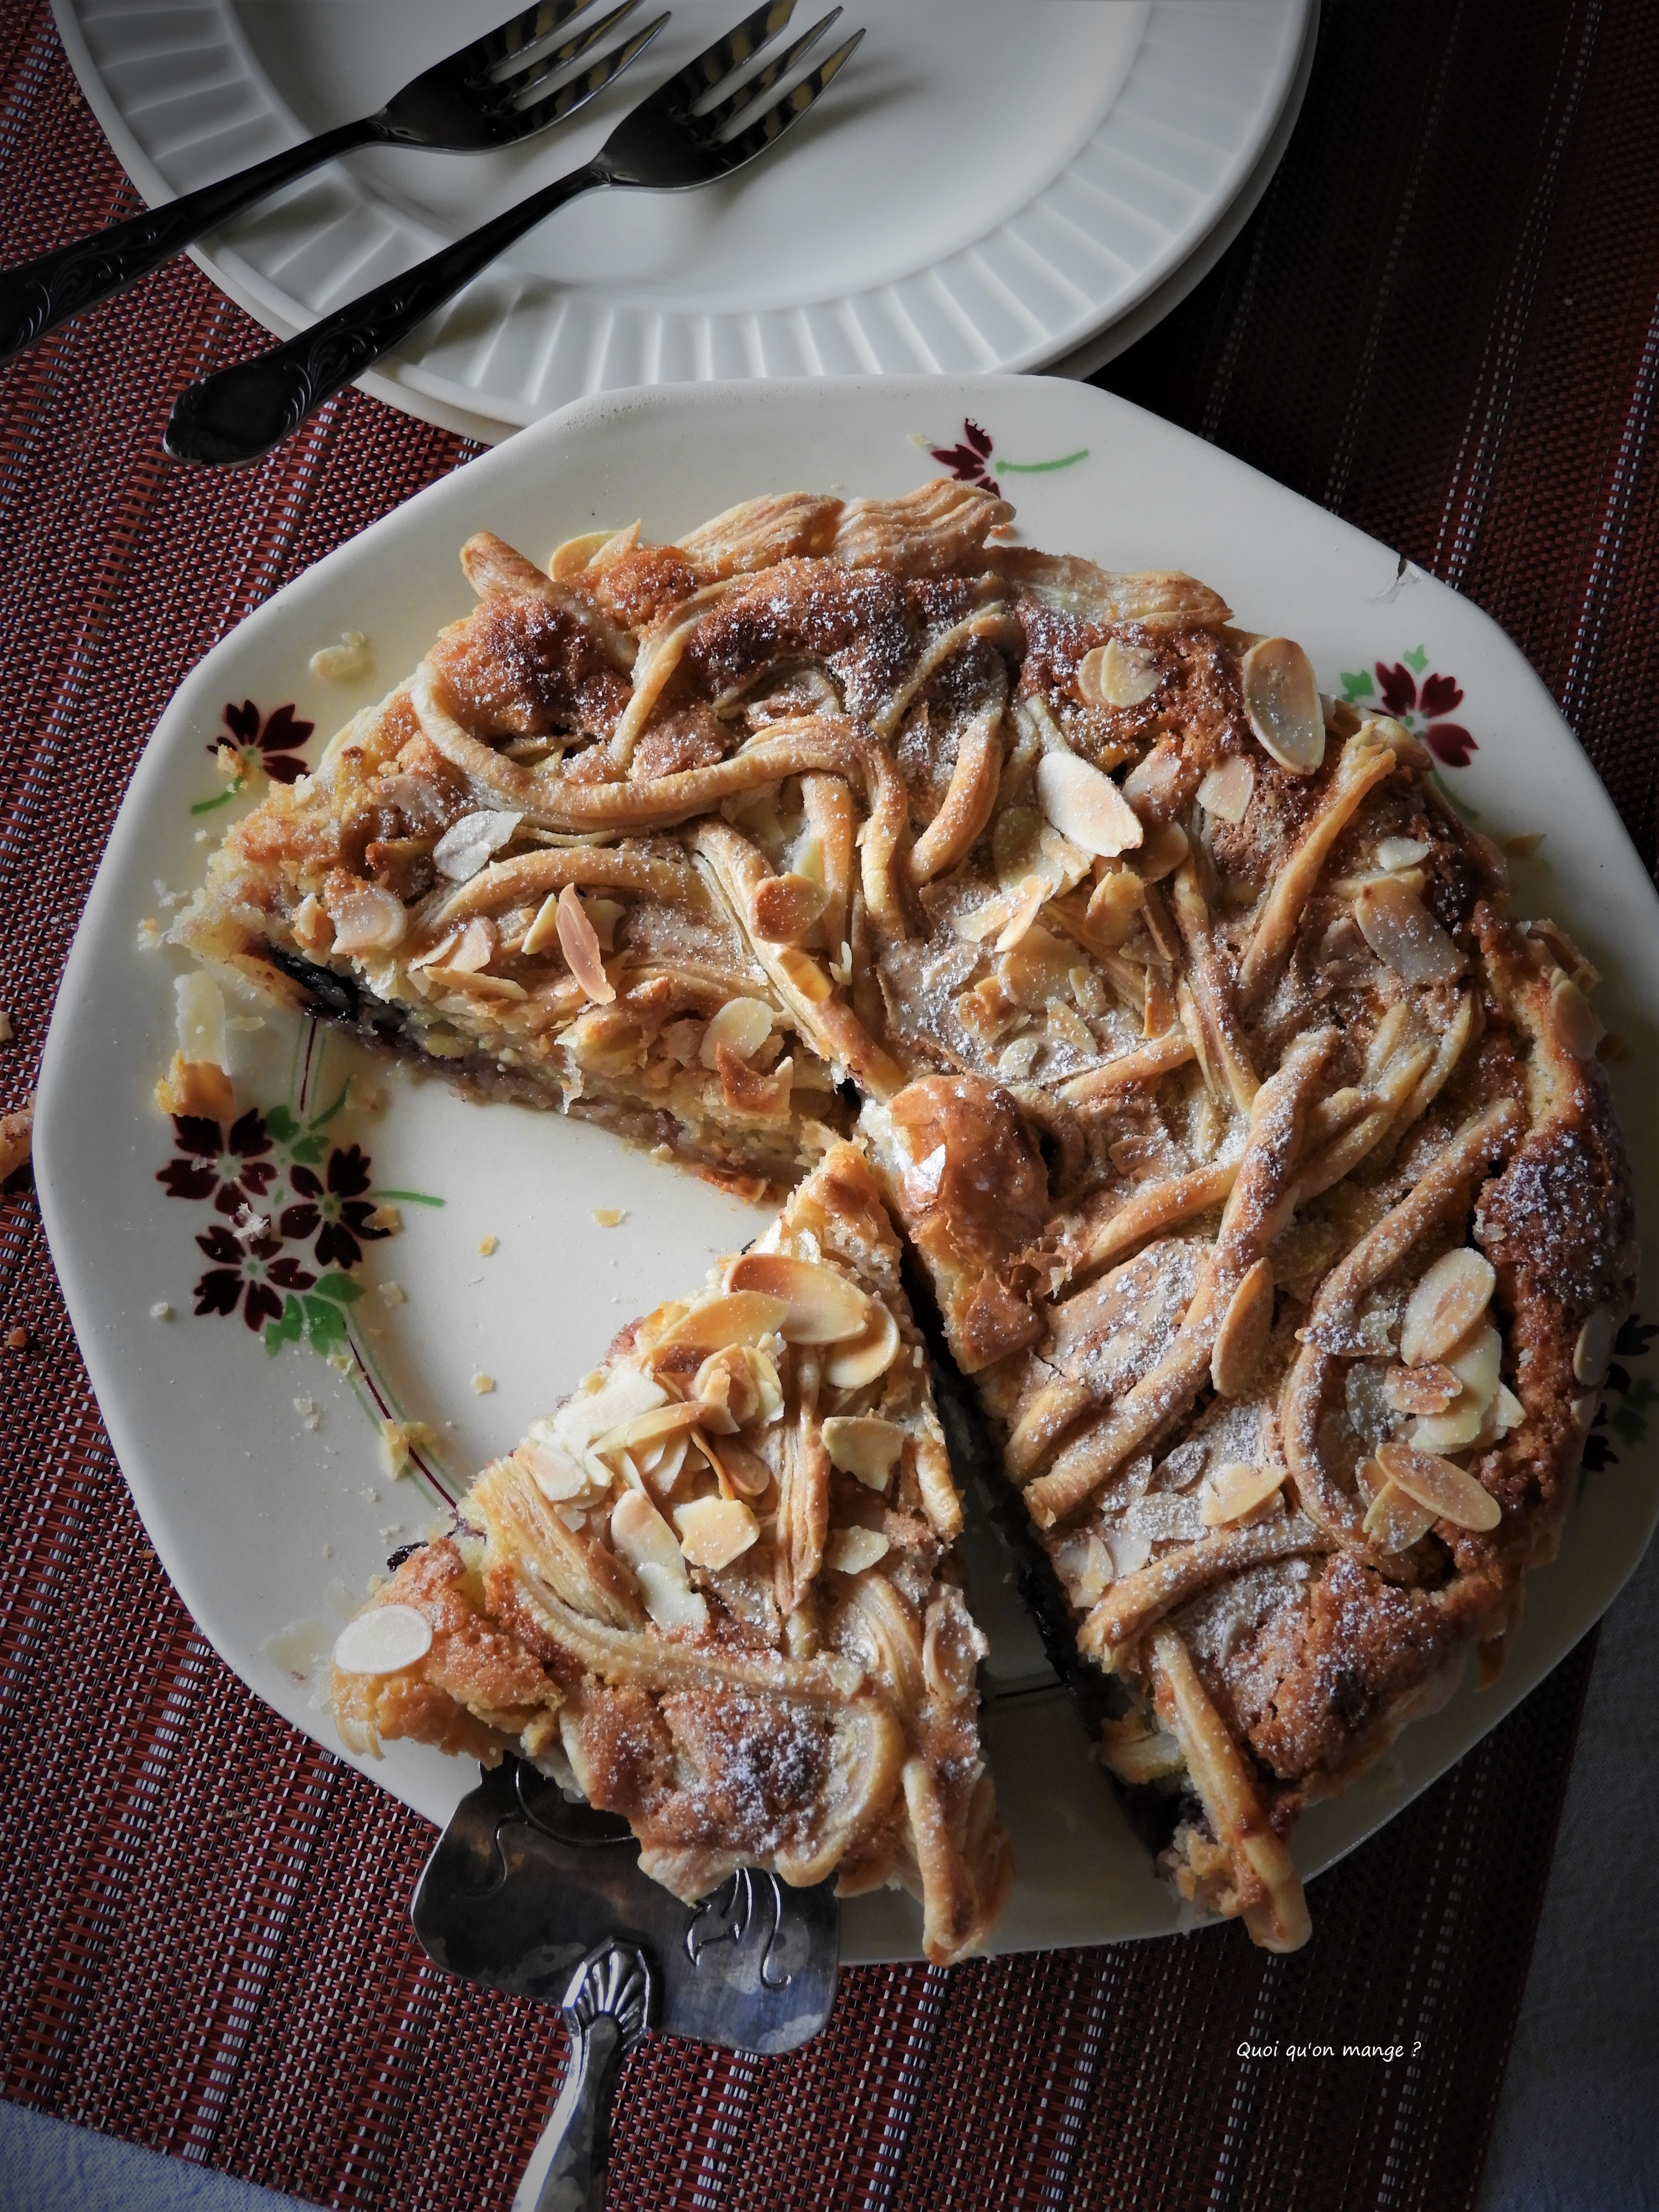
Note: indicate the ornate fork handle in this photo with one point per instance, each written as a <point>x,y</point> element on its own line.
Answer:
<point>37,296</point>
<point>240,414</point>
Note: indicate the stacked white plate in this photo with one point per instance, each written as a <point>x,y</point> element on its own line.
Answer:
<point>989,186</point>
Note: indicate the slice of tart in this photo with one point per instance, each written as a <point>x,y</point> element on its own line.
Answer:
<point>714,1591</point>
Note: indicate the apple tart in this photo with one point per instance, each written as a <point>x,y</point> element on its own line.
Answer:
<point>1261,1165</point>
<point>714,1590</point>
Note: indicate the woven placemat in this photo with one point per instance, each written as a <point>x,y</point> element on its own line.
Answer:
<point>1441,322</point>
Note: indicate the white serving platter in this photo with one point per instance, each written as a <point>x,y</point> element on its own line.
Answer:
<point>257,1472</point>
<point>988,187</point>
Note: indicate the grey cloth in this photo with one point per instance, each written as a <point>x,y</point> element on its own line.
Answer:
<point>1577,2126</point>
<point>46,2166</point>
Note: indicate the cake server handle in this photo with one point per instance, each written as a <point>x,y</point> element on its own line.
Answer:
<point>607,2008</point>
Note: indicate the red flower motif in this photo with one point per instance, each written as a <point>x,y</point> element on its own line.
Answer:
<point>966,460</point>
<point>267,747</point>
<point>337,1211</point>
<point>247,1269</point>
<point>230,1169</point>
<point>1448,741</point>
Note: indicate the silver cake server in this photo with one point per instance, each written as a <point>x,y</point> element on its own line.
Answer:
<point>528,1892</point>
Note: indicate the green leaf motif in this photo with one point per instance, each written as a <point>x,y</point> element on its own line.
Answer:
<point>325,1324</point>
<point>406,1198</point>
<point>321,1121</point>
<point>280,1124</point>
<point>1356,684</point>
<point>310,1150</point>
<point>288,1330</point>
<point>1040,468</point>
<point>340,1288</point>
<point>207,806</point>
<point>1418,657</point>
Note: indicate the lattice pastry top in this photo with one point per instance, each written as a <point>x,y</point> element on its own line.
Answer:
<point>1263,1168</point>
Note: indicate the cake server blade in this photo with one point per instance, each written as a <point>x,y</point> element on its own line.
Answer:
<point>529,1893</point>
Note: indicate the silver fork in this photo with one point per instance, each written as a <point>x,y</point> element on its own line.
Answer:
<point>663,145</point>
<point>486,93</point>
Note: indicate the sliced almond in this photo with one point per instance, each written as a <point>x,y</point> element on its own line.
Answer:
<point>1594,1350</point>
<point>1025,905</point>
<point>310,924</point>
<point>1117,675</point>
<point>1394,853</point>
<point>742,1025</point>
<point>1166,847</point>
<point>1577,1028</point>
<point>1236,1490</point>
<point>645,1539</point>
<point>744,1316</point>
<point>1242,1337</point>
<point>851,1366</point>
<point>545,930</point>
<point>580,943</point>
<point>369,920</point>
<point>1396,1520</point>
<point>850,1551</point>
<point>818,1304</point>
<point>1085,805</point>
<point>1401,931</point>
<point>1454,1429</point>
<point>1476,1360</point>
<point>1447,1491</point>
<point>622,1394</point>
<point>561,1475</point>
<point>1428,1389</point>
<point>1130,1551</point>
<point>786,907</point>
<point>1085,1567</point>
<point>466,845</point>
<point>1115,907</point>
<point>865,1445</point>
<point>1281,698</point>
<point>1067,1028</point>
<point>983,921</point>
<point>660,1465</point>
<point>645,1430</point>
<point>737,1387</point>
<point>953,1646</point>
<point>477,947</point>
<point>1509,1412</point>
<point>1225,791</point>
<point>714,1531</point>
<point>476,981</point>
<point>741,1472</point>
<point>1445,1305</point>
<point>383,1641</point>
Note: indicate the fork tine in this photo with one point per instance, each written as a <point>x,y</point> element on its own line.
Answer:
<point>511,76</point>
<point>516,35</point>
<point>717,61</point>
<point>712,119</point>
<point>765,129</point>
<point>576,91</point>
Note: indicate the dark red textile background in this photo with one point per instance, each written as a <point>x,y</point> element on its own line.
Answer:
<point>1443,323</point>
